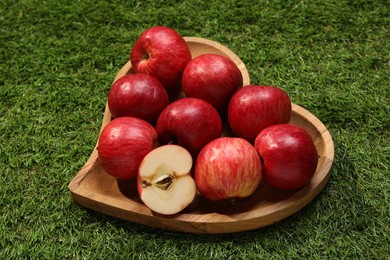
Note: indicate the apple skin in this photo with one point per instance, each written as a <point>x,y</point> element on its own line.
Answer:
<point>161,52</point>
<point>289,156</point>
<point>137,95</point>
<point>253,108</point>
<point>213,78</point>
<point>122,145</point>
<point>189,122</point>
<point>227,168</point>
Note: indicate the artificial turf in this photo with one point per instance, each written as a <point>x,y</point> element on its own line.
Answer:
<point>59,58</point>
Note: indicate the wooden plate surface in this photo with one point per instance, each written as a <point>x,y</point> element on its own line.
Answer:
<point>93,188</point>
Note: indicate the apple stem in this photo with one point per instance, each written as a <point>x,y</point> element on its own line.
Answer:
<point>145,56</point>
<point>173,140</point>
<point>145,184</point>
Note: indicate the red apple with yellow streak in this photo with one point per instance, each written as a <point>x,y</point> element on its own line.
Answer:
<point>227,168</point>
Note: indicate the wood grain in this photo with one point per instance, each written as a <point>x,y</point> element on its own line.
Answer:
<point>93,188</point>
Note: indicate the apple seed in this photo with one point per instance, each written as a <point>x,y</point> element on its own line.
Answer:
<point>164,182</point>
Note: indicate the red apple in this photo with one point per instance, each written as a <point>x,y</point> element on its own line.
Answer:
<point>253,108</point>
<point>164,182</point>
<point>189,122</point>
<point>137,95</point>
<point>122,145</point>
<point>289,156</point>
<point>161,52</point>
<point>213,78</point>
<point>227,168</point>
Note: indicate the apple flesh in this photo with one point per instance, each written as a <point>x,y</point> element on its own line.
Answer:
<point>165,184</point>
<point>189,122</point>
<point>227,168</point>
<point>161,52</point>
<point>213,78</point>
<point>137,95</point>
<point>289,156</point>
<point>122,145</point>
<point>253,108</point>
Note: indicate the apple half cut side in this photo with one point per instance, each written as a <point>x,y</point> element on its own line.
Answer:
<point>165,184</point>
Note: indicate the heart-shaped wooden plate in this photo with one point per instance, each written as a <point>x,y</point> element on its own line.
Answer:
<point>93,188</point>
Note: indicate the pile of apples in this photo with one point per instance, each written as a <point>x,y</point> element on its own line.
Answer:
<point>167,131</point>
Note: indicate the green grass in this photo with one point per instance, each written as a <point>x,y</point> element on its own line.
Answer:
<point>58,59</point>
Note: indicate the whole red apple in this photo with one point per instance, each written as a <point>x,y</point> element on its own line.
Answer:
<point>253,108</point>
<point>289,156</point>
<point>227,168</point>
<point>137,95</point>
<point>189,122</point>
<point>213,78</point>
<point>161,52</point>
<point>122,145</point>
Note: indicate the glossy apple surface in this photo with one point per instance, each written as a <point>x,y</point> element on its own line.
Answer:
<point>289,156</point>
<point>213,78</point>
<point>165,184</point>
<point>189,122</point>
<point>122,145</point>
<point>253,108</point>
<point>161,52</point>
<point>137,95</point>
<point>227,168</point>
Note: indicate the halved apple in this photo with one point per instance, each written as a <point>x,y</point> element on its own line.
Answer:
<point>165,183</point>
